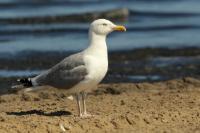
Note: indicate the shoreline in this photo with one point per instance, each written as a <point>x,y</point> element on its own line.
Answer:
<point>139,65</point>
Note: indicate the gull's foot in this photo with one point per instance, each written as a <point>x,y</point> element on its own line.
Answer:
<point>86,115</point>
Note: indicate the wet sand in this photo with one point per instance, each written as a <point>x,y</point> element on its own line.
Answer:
<point>168,106</point>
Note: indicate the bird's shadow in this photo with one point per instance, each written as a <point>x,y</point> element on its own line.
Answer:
<point>39,112</point>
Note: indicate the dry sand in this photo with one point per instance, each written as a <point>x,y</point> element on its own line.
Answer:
<point>170,106</point>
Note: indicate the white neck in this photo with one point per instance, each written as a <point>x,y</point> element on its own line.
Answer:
<point>97,44</point>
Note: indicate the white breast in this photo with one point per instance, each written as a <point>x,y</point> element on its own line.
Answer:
<point>97,68</point>
<point>96,62</point>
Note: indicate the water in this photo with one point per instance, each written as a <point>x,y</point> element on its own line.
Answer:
<point>155,23</point>
<point>152,23</point>
<point>18,73</point>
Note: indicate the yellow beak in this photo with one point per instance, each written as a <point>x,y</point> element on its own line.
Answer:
<point>119,28</point>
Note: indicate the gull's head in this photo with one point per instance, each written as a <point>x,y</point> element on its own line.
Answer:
<point>104,27</point>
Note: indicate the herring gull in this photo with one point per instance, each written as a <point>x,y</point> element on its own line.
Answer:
<point>81,72</point>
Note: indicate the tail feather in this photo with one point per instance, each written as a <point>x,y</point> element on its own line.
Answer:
<point>26,82</point>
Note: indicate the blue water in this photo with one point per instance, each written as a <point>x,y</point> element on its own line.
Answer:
<point>152,23</point>
<point>19,73</point>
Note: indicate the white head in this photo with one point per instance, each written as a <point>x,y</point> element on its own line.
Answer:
<point>104,27</point>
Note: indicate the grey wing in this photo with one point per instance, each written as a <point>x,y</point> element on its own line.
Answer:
<point>66,74</point>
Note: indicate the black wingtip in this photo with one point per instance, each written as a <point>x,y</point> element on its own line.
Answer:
<point>25,82</point>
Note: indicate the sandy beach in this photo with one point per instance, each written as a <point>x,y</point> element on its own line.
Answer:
<point>168,106</point>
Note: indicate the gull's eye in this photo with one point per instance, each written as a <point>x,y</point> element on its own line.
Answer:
<point>104,24</point>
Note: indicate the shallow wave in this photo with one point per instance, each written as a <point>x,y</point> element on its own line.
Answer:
<point>166,27</point>
<point>41,31</point>
<point>162,13</point>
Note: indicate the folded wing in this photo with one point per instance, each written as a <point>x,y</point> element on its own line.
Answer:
<point>65,74</point>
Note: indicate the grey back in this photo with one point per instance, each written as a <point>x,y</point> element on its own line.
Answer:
<point>65,74</point>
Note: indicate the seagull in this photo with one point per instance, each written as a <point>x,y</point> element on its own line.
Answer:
<point>80,73</point>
